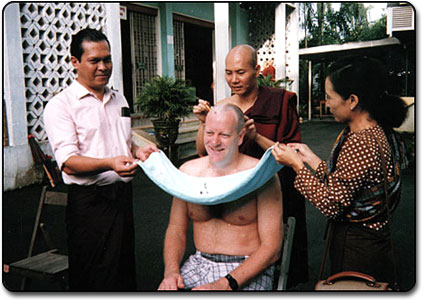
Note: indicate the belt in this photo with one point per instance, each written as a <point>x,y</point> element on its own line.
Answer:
<point>223,257</point>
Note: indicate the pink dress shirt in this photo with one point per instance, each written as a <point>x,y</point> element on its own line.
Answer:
<point>77,123</point>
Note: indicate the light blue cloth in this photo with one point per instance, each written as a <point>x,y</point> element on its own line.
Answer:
<point>208,190</point>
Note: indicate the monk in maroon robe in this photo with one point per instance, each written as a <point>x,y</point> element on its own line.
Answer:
<point>271,117</point>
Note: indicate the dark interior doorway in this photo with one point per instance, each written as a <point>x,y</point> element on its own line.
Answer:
<point>198,59</point>
<point>127,63</point>
<point>139,52</point>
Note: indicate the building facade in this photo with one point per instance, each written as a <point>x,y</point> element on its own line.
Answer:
<point>181,40</point>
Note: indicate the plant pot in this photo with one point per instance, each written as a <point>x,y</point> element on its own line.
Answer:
<point>166,131</point>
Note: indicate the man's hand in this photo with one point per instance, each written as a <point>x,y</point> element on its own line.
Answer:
<point>123,165</point>
<point>144,152</point>
<point>172,282</point>
<point>219,285</point>
<point>201,110</point>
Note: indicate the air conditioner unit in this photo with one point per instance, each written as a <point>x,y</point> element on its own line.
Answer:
<point>400,18</point>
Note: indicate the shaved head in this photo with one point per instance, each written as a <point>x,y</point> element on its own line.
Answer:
<point>228,107</point>
<point>246,51</point>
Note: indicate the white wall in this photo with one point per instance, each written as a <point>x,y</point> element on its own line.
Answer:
<point>17,160</point>
<point>114,36</point>
<point>222,47</point>
<point>18,166</point>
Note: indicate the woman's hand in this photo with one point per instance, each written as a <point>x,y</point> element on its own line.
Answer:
<point>287,156</point>
<point>201,110</point>
<point>306,155</point>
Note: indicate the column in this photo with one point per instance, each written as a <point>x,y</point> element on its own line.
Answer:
<point>280,46</point>
<point>114,36</point>
<point>222,46</point>
<point>166,36</point>
<point>14,86</point>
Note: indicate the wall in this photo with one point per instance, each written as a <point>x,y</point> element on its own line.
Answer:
<point>239,25</point>
<point>40,33</point>
<point>36,49</point>
<point>18,168</point>
<point>198,10</point>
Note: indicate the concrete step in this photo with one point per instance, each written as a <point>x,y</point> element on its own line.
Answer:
<point>186,148</point>
<point>188,131</point>
<point>142,138</point>
<point>183,133</point>
<point>186,141</point>
<point>139,121</point>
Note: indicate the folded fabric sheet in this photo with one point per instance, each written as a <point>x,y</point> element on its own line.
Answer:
<point>208,190</point>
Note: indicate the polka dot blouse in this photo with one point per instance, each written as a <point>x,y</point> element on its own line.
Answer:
<point>358,168</point>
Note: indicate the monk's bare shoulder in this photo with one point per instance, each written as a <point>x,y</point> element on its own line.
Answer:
<point>230,100</point>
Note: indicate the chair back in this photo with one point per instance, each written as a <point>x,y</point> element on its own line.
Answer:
<point>288,237</point>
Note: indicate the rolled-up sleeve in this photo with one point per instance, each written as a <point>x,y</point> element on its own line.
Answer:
<point>331,193</point>
<point>60,129</point>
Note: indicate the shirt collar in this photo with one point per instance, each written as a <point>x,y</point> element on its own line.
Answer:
<point>81,92</point>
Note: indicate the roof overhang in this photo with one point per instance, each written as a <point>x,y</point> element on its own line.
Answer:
<point>376,48</point>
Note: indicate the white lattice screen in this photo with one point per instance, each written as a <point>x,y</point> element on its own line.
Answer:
<point>46,30</point>
<point>261,30</point>
<point>288,46</point>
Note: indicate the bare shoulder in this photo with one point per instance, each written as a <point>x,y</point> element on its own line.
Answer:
<point>195,166</point>
<point>248,162</point>
<point>229,100</point>
<point>270,191</point>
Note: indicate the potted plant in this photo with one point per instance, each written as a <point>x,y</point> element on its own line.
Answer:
<point>166,100</point>
<point>268,81</point>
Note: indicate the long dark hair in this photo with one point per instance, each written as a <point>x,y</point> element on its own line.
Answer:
<point>367,78</point>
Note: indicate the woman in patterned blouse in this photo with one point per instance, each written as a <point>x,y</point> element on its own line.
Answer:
<point>349,189</point>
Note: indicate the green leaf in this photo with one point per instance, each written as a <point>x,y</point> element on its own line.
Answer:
<point>166,98</point>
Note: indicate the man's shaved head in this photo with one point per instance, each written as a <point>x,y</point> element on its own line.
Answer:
<point>245,50</point>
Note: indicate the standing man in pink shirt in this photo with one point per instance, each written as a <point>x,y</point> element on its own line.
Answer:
<point>89,130</point>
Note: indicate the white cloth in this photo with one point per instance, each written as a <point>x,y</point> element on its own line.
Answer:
<point>208,190</point>
<point>77,123</point>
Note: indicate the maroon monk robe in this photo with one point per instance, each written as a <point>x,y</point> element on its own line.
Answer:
<point>275,116</point>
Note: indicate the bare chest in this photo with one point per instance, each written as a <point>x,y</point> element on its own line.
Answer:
<point>239,212</point>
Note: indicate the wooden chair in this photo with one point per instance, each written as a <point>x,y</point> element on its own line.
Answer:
<point>288,236</point>
<point>48,265</point>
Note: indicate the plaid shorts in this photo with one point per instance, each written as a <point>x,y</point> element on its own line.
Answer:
<point>201,268</point>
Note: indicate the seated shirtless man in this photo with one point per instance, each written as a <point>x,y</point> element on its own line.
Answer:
<point>238,242</point>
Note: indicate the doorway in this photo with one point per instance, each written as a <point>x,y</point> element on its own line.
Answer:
<point>198,59</point>
<point>139,49</point>
<point>193,44</point>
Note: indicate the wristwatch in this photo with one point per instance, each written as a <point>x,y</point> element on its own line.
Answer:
<point>232,282</point>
